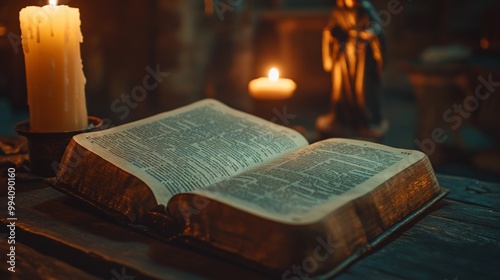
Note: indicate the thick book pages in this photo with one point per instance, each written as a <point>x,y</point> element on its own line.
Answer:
<point>248,187</point>
<point>338,192</point>
<point>130,169</point>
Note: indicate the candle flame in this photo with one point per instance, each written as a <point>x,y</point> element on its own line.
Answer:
<point>274,74</point>
<point>53,2</point>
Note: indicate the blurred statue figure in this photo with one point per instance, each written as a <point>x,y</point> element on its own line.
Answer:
<point>353,52</point>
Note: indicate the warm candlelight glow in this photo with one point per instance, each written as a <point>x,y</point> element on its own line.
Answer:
<point>272,87</point>
<point>51,38</point>
<point>274,74</point>
<point>3,30</point>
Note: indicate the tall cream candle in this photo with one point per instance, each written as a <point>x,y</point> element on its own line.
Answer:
<point>51,40</point>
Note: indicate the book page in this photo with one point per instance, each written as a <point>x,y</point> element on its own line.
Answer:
<point>303,186</point>
<point>192,147</point>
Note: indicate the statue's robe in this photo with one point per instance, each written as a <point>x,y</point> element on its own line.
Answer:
<point>355,64</point>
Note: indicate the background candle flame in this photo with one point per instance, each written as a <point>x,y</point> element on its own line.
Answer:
<point>274,74</point>
<point>53,2</point>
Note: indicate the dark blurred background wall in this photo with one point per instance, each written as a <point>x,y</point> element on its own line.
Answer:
<point>213,48</point>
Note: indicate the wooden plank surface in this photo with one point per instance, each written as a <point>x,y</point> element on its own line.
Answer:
<point>67,229</point>
<point>458,238</point>
<point>31,264</point>
<point>472,191</point>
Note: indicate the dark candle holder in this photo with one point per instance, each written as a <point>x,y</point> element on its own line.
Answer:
<point>47,148</point>
<point>271,109</point>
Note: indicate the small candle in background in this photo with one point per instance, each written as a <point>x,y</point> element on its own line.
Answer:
<point>51,40</point>
<point>272,88</point>
<point>270,96</point>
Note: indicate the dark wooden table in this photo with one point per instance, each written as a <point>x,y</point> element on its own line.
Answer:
<point>58,237</point>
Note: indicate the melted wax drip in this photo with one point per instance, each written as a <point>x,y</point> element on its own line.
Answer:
<point>51,77</point>
<point>38,33</point>
<point>66,65</point>
<point>51,29</point>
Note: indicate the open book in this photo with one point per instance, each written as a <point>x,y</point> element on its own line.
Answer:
<point>248,187</point>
